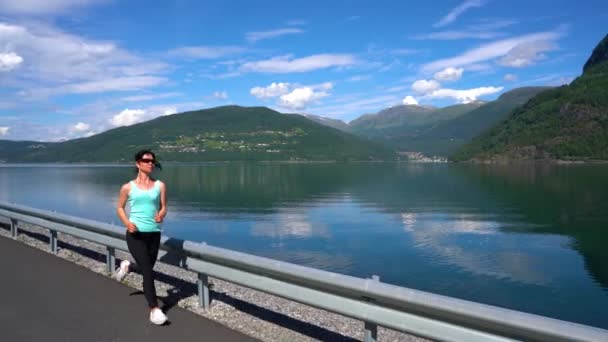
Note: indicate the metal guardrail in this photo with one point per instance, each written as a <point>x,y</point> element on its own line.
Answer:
<point>377,304</point>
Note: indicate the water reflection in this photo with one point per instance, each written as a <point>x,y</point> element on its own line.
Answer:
<point>320,260</point>
<point>250,188</point>
<point>570,200</point>
<point>445,238</point>
<point>290,224</point>
<point>439,224</point>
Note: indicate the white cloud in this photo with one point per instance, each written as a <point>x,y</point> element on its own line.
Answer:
<point>458,11</point>
<point>358,78</point>
<point>223,75</point>
<point>132,116</point>
<point>425,86</point>
<point>410,100</point>
<point>148,97</point>
<point>273,90</point>
<point>60,133</point>
<point>4,130</point>
<point>81,127</point>
<point>480,67</point>
<point>293,96</point>
<point>323,86</point>
<point>449,74</point>
<point>285,64</point>
<point>106,85</point>
<point>456,35</point>
<point>170,111</point>
<point>431,89</point>
<point>205,52</point>
<point>9,61</point>
<point>63,132</point>
<point>405,52</point>
<point>113,84</point>
<point>53,55</point>
<point>396,89</point>
<point>463,96</point>
<point>55,62</point>
<point>297,22</point>
<point>489,51</point>
<point>257,36</point>
<point>220,95</point>
<point>527,53</point>
<point>37,7</point>
<point>482,29</point>
<point>128,117</point>
<point>492,24</point>
<point>300,98</point>
<point>510,78</point>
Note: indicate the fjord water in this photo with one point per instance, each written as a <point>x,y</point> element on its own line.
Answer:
<point>530,237</point>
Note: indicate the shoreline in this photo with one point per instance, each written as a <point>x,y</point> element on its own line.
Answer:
<point>425,160</point>
<point>257,314</point>
<point>130,164</point>
<point>531,162</point>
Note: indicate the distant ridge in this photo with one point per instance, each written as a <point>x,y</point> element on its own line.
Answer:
<point>399,115</point>
<point>447,136</point>
<point>433,131</point>
<point>334,123</point>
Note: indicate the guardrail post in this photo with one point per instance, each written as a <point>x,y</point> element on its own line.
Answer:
<point>14,228</point>
<point>371,329</point>
<point>53,241</point>
<point>203,291</point>
<point>110,259</point>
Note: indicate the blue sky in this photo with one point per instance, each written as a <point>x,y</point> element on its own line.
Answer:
<point>73,68</point>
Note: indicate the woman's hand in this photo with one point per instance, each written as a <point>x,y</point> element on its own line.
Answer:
<point>131,227</point>
<point>159,217</point>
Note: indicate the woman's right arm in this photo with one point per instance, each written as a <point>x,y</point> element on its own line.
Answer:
<point>120,209</point>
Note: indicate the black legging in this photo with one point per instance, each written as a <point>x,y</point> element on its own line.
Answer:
<point>144,249</point>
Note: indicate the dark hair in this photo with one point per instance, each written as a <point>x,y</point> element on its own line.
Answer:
<point>139,155</point>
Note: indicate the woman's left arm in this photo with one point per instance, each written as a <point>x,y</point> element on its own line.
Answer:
<point>162,211</point>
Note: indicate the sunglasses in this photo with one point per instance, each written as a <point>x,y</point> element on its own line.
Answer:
<point>147,161</point>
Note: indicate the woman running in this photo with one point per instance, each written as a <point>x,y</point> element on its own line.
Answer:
<point>147,200</point>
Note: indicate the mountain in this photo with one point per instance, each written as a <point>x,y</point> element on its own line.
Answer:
<point>567,123</point>
<point>598,56</point>
<point>222,133</point>
<point>334,123</point>
<point>430,130</point>
<point>447,136</point>
<point>400,127</point>
<point>13,150</point>
<point>371,124</point>
<point>402,136</point>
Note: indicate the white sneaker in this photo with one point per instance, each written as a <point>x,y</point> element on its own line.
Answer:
<point>123,270</point>
<point>158,317</point>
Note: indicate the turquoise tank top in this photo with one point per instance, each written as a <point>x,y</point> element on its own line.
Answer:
<point>144,205</point>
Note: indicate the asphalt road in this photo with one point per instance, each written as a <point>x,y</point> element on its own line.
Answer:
<point>46,298</point>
